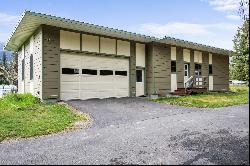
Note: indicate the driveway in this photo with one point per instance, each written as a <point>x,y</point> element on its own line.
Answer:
<point>136,131</point>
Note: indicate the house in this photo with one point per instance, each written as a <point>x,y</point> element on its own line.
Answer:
<point>66,59</point>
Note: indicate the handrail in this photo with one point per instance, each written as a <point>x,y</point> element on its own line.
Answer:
<point>192,81</point>
<point>188,81</point>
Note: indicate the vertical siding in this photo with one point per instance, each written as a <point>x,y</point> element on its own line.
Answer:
<point>179,67</point>
<point>220,72</point>
<point>132,70</point>
<point>37,56</point>
<point>51,62</point>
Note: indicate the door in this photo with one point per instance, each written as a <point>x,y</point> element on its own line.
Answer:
<point>198,74</point>
<point>140,90</point>
<point>186,73</point>
<point>85,77</point>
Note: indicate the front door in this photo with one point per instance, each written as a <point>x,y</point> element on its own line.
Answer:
<point>198,74</point>
<point>186,73</point>
<point>140,82</point>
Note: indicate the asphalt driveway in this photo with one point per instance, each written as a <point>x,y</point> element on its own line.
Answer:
<point>136,131</point>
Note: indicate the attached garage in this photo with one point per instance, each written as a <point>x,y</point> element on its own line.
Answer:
<point>87,76</point>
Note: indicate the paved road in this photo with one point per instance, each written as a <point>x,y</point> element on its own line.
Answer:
<point>135,131</point>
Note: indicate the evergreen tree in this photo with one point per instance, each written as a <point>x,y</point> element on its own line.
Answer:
<point>239,67</point>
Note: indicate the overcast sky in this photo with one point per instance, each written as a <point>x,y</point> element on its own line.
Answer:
<point>211,22</point>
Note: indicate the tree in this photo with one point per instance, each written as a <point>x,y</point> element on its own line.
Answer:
<point>8,71</point>
<point>239,67</point>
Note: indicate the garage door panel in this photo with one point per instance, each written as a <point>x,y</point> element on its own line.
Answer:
<point>69,78</point>
<point>84,86</point>
<point>69,95</point>
<point>69,86</point>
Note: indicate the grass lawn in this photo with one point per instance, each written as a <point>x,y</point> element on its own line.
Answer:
<point>23,116</point>
<point>237,95</point>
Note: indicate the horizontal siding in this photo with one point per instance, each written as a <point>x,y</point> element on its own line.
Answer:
<point>51,62</point>
<point>220,72</point>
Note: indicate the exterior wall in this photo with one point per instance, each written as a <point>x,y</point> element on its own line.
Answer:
<point>140,55</point>
<point>159,71</point>
<point>132,70</point>
<point>108,46</point>
<point>157,63</point>
<point>205,66</point>
<point>192,66</point>
<point>220,72</point>
<point>90,43</point>
<point>33,46</point>
<point>173,75</point>
<point>211,78</point>
<point>179,67</point>
<point>69,40</point>
<point>20,56</point>
<point>27,68</point>
<point>37,56</point>
<point>51,62</point>
<point>197,57</point>
<point>149,69</point>
<point>123,48</point>
<point>186,55</point>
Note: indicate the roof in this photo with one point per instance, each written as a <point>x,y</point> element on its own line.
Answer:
<point>30,21</point>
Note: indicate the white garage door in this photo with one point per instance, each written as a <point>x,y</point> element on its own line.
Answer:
<point>84,77</point>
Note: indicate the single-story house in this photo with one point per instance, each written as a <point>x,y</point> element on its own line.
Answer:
<point>66,59</point>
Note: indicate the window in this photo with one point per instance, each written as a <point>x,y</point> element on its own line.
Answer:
<point>186,70</point>
<point>31,67</point>
<point>121,73</point>
<point>89,71</point>
<point>198,69</point>
<point>70,71</point>
<point>138,75</point>
<point>173,66</point>
<point>106,72</point>
<point>210,69</point>
<point>186,73</point>
<point>23,69</point>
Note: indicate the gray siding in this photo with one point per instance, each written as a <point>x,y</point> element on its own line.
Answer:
<point>205,66</point>
<point>132,70</point>
<point>179,67</point>
<point>51,62</point>
<point>149,69</point>
<point>160,69</point>
<point>192,63</point>
<point>220,72</point>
